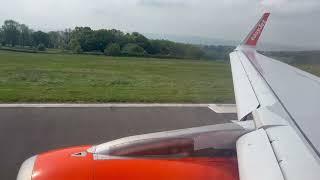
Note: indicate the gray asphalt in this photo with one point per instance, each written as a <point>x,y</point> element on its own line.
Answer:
<point>27,131</point>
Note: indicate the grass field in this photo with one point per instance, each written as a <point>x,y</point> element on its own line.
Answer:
<point>312,68</point>
<point>28,77</point>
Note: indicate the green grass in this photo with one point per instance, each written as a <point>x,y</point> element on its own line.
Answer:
<point>36,77</point>
<point>311,68</point>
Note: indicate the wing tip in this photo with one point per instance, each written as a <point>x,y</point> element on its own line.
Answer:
<point>254,35</point>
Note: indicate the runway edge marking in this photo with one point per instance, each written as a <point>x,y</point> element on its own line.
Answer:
<point>223,108</point>
<point>218,108</point>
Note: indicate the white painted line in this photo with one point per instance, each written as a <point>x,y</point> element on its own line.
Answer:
<point>223,108</point>
<point>218,108</point>
<point>103,105</point>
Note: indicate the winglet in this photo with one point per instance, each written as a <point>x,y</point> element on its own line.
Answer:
<point>254,35</point>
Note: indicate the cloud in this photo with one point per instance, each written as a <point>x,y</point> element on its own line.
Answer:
<point>292,6</point>
<point>162,3</point>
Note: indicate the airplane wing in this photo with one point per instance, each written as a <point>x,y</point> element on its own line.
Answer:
<point>284,102</point>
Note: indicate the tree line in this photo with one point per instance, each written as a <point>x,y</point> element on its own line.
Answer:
<point>107,41</point>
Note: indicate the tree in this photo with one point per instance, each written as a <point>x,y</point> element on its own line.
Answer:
<point>1,37</point>
<point>54,39</point>
<point>103,37</point>
<point>118,37</point>
<point>40,37</point>
<point>25,38</point>
<point>160,47</point>
<point>193,51</point>
<point>133,50</point>
<point>111,41</point>
<point>142,41</point>
<point>66,38</point>
<point>11,32</point>
<point>85,37</point>
<point>41,47</point>
<point>75,46</point>
<point>217,52</point>
<point>113,49</point>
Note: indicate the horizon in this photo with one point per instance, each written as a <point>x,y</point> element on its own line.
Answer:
<point>197,40</point>
<point>287,25</point>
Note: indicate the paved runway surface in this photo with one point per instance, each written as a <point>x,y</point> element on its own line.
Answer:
<point>28,131</point>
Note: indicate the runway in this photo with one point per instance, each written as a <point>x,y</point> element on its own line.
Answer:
<point>26,130</point>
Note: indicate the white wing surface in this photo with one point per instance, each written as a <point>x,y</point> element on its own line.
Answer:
<point>285,103</point>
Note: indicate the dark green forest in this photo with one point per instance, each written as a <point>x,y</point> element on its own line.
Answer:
<point>109,42</point>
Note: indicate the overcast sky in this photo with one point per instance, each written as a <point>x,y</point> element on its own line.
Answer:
<point>292,21</point>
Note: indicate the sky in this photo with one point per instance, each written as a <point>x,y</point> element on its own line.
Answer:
<point>292,22</point>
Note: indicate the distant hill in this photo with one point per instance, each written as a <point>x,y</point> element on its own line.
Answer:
<point>192,39</point>
<point>267,46</point>
<point>264,46</point>
<point>297,57</point>
<point>220,49</point>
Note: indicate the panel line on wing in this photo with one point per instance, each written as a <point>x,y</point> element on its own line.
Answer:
<point>251,84</point>
<point>292,119</point>
<point>245,97</point>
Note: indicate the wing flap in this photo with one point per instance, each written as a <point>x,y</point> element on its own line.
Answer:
<point>244,94</point>
<point>256,159</point>
<point>288,147</point>
<point>297,91</point>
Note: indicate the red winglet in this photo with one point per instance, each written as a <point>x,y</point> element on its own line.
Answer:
<point>254,35</point>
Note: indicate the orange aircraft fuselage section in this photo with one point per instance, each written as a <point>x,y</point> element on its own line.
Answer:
<point>63,166</point>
